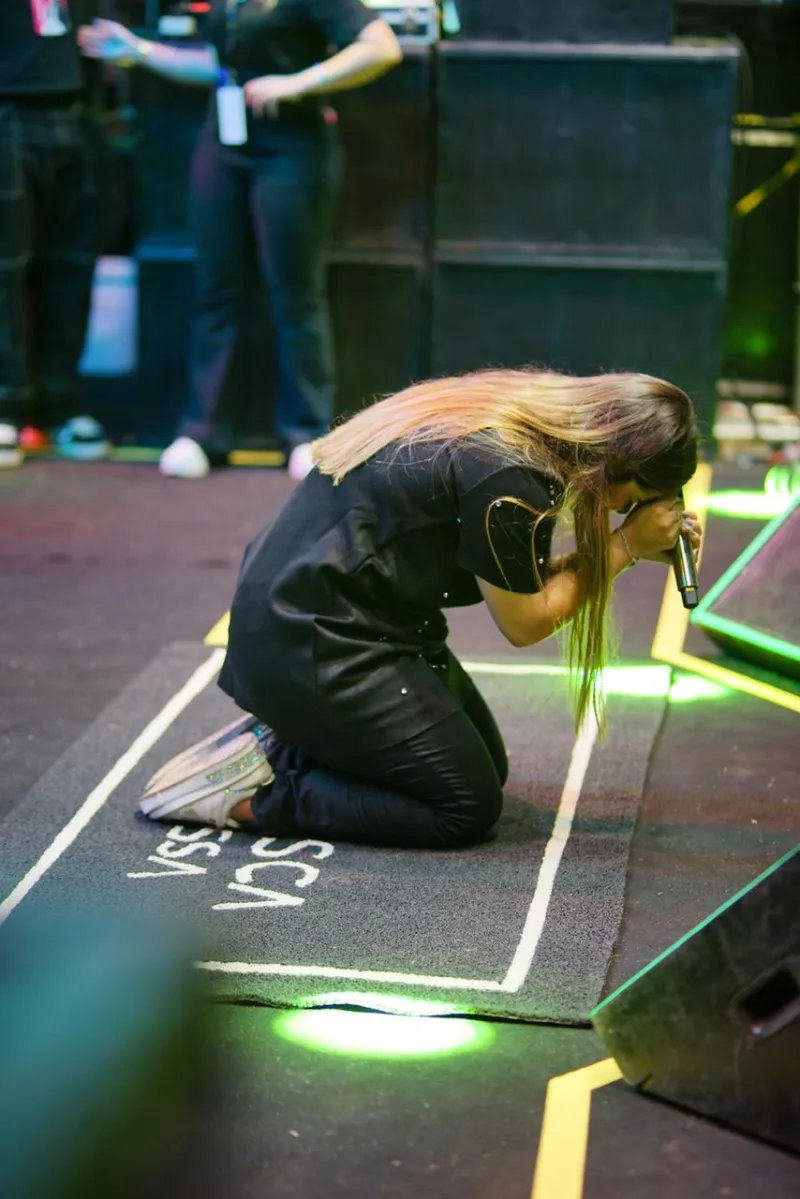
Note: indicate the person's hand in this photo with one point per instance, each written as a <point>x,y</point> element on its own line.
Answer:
<point>653,528</point>
<point>263,95</point>
<point>109,41</point>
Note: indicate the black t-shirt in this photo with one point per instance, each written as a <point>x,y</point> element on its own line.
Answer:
<point>337,617</point>
<point>33,66</point>
<point>281,37</point>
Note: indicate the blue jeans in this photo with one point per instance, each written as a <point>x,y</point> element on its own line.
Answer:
<point>283,193</point>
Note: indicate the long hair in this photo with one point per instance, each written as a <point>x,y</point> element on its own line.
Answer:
<point>585,432</point>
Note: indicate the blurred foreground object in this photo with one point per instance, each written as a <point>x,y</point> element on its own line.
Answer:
<point>101,1043</point>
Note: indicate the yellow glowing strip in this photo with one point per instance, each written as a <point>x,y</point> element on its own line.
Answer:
<point>561,1161</point>
<point>673,620</point>
<point>739,682</point>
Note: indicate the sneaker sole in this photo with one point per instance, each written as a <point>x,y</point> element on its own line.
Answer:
<point>11,458</point>
<point>194,753</point>
<point>172,804</point>
<point>239,763</point>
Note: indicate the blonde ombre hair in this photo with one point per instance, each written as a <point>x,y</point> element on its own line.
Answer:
<point>585,432</point>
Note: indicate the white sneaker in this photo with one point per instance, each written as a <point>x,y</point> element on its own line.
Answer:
<point>301,462</point>
<point>203,784</point>
<point>10,452</point>
<point>184,459</point>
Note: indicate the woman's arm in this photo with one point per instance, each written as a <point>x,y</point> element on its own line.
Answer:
<point>650,531</point>
<point>373,53</point>
<point>113,43</point>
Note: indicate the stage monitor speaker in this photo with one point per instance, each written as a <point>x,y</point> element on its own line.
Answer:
<point>601,149</point>
<point>753,610</point>
<point>713,1024</point>
<point>580,314</point>
<point>567,20</point>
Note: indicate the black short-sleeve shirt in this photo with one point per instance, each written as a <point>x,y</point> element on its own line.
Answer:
<point>281,37</point>
<point>337,620</point>
<point>31,65</point>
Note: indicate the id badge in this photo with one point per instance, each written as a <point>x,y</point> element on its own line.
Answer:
<point>231,115</point>
<point>50,18</point>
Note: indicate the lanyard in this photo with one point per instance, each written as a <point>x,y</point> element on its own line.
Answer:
<point>231,28</point>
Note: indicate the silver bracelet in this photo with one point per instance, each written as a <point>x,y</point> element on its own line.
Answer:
<point>633,558</point>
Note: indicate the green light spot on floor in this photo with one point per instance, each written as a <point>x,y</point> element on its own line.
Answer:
<point>377,1035</point>
<point>747,505</point>
<point>689,688</point>
<point>379,1001</point>
<point>643,681</point>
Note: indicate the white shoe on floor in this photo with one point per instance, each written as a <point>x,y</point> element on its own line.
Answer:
<point>10,453</point>
<point>184,459</point>
<point>203,784</point>
<point>301,462</point>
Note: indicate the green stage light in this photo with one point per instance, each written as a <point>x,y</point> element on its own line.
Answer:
<point>783,479</point>
<point>378,1035</point>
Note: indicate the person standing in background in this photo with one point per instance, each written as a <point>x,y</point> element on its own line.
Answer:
<point>267,161</point>
<point>51,226</point>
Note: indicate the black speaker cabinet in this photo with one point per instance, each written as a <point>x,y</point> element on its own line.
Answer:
<point>379,306</point>
<point>713,1024</point>
<point>580,314</point>
<point>611,148</point>
<point>753,610</point>
<point>567,20</point>
<point>386,132</point>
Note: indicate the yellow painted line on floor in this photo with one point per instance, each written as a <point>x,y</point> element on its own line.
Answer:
<point>256,458</point>
<point>673,625</point>
<point>219,634</point>
<point>561,1161</point>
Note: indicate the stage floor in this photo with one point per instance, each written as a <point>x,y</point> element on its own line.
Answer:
<point>106,566</point>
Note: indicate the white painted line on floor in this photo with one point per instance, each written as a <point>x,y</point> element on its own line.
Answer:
<point>121,769</point>
<point>534,922</point>
<point>375,976</point>
<point>562,827</point>
<point>537,913</point>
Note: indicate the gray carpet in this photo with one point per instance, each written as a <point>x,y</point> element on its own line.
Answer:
<point>448,924</point>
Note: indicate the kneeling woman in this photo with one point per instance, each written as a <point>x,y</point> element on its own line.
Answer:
<point>363,726</point>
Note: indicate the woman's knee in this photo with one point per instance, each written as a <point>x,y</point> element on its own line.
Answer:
<point>469,822</point>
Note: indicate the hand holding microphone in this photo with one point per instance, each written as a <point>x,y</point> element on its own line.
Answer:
<point>661,531</point>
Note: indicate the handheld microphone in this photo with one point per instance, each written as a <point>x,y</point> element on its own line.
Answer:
<point>685,569</point>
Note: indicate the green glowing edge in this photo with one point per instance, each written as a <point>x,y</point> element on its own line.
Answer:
<point>697,928</point>
<point>705,619</point>
<point>736,568</point>
<point>750,636</point>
